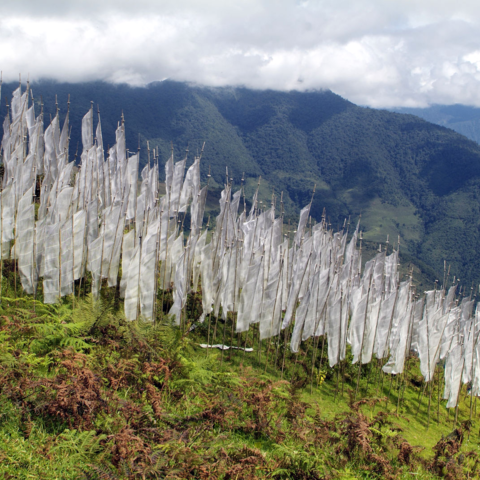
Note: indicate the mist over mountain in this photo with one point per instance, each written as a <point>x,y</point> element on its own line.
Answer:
<point>404,175</point>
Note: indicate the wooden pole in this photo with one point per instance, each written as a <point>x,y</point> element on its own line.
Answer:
<point>208,335</point>
<point>430,401</point>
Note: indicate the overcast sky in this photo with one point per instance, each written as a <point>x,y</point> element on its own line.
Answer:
<point>380,53</point>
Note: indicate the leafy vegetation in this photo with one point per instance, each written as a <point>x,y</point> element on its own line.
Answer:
<point>86,394</point>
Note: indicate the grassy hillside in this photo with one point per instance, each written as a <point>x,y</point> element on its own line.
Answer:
<point>85,394</point>
<point>405,176</point>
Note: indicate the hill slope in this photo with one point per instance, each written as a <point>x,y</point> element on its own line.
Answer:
<point>404,175</point>
<point>85,394</point>
<point>461,118</point>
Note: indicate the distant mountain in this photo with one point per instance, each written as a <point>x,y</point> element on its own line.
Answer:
<point>404,175</point>
<point>461,118</point>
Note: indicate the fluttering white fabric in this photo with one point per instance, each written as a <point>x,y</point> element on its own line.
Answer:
<point>25,237</point>
<point>132,286</point>
<point>51,276</point>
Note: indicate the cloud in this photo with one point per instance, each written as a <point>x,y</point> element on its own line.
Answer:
<point>377,53</point>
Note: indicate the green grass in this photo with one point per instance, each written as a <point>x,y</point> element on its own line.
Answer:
<point>411,415</point>
<point>381,219</point>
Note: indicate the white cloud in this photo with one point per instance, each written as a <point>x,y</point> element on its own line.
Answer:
<point>373,52</point>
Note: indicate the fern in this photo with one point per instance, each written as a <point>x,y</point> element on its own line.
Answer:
<point>78,446</point>
<point>386,432</point>
<point>298,460</point>
<point>102,472</point>
<point>7,360</point>
<point>201,373</point>
<point>66,327</point>
<point>52,335</point>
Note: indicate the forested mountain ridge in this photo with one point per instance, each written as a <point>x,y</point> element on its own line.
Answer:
<point>404,175</point>
<point>463,119</point>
